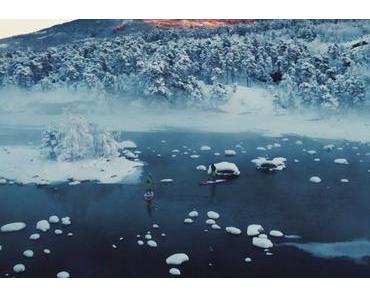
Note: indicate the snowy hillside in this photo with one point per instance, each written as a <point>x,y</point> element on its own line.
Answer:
<point>303,64</point>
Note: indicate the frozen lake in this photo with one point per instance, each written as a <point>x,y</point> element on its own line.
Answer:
<point>327,212</point>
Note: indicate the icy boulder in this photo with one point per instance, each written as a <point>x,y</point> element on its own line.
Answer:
<point>270,164</point>
<point>225,169</point>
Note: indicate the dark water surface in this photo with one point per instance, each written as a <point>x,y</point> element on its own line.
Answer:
<point>330,211</point>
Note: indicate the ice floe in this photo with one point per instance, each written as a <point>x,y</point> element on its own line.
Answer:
<point>225,169</point>
<point>43,225</point>
<point>254,230</point>
<point>341,161</point>
<point>276,233</point>
<point>151,243</point>
<point>213,215</point>
<point>315,179</point>
<point>28,253</point>
<point>344,180</point>
<point>3,181</point>
<point>58,231</point>
<point>11,227</point>
<point>148,236</point>
<point>205,148</point>
<point>177,259</point>
<point>210,222</point>
<point>19,268</point>
<point>53,219</point>
<point>140,242</point>
<point>248,260</point>
<point>193,214</point>
<point>66,221</point>
<point>175,271</point>
<point>155,226</point>
<point>233,230</point>
<point>230,153</point>
<point>201,168</point>
<point>166,180</point>
<point>46,251</point>
<point>264,243</point>
<point>329,147</point>
<point>311,152</point>
<point>270,164</point>
<point>215,227</point>
<point>188,221</point>
<point>34,236</point>
<point>63,274</point>
<point>194,156</point>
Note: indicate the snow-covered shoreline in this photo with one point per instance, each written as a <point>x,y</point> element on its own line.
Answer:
<point>24,164</point>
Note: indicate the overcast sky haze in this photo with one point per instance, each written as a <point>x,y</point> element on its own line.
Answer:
<point>15,27</point>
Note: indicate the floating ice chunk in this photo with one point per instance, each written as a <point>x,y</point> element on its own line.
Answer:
<point>317,159</point>
<point>315,179</point>
<point>210,222</point>
<point>292,236</point>
<point>213,215</point>
<point>152,243</point>
<point>140,242</point>
<point>13,227</point>
<point>53,219</point>
<point>225,168</point>
<point>163,234</point>
<point>254,230</point>
<point>1,248</point>
<point>296,161</point>
<point>341,161</point>
<point>34,236</point>
<point>175,151</point>
<point>3,181</point>
<point>193,214</point>
<point>128,144</point>
<point>19,268</point>
<point>70,234</point>
<point>217,154</point>
<point>299,142</point>
<point>311,152</point>
<point>329,147</point>
<point>28,253</point>
<point>66,221</point>
<point>276,233</point>
<point>194,156</point>
<point>262,236</point>
<point>177,259</point>
<point>230,153</point>
<point>215,227</point>
<point>285,139</point>
<point>46,251</point>
<point>247,260</point>
<point>264,243</point>
<point>148,236</point>
<point>63,274</point>
<point>201,167</point>
<point>188,221</point>
<point>260,148</point>
<point>58,231</point>
<point>233,230</point>
<point>43,225</point>
<point>270,164</point>
<point>155,226</point>
<point>344,180</point>
<point>163,141</point>
<point>205,148</point>
<point>175,271</point>
<point>269,254</point>
<point>114,246</point>
<point>167,180</point>
<point>74,183</point>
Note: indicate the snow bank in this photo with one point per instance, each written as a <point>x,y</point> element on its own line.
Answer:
<point>213,215</point>
<point>264,243</point>
<point>254,230</point>
<point>315,179</point>
<point>270,164</point>
<point>177,259</point>
<point>13,227</point>
<point>43,225</point>
<point>225,168</point>
<point>175,271</point>
<point>233,230</point>
<point>341,161</point>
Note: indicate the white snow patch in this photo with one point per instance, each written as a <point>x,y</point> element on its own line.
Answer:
<point>233,230</point>
<point>155,226</point>
<point>264,243</point>
<point>13,227</point>
<point>177,259</point>
<point>311,152</point>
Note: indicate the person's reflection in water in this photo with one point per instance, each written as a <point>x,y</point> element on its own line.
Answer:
<point>149,208</point>
<point>213,192</point>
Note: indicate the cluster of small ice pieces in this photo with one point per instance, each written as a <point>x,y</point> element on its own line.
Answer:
<point>42,225</point>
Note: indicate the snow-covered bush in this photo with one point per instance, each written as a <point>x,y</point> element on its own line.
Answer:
<point>77,139</point>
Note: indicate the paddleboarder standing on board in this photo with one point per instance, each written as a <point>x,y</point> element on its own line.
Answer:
<point>149,187</point>
<point>213,172</point>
